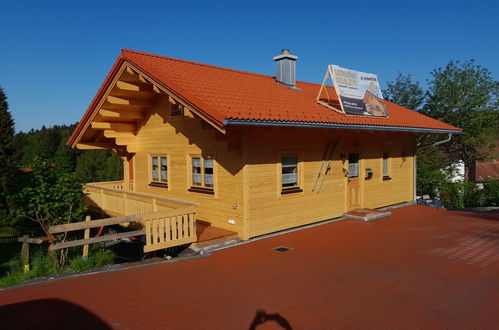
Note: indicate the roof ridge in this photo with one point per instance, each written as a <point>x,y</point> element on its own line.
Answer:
<point>209,65</point>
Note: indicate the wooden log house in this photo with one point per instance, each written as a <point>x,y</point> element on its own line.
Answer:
<point>256,154</point>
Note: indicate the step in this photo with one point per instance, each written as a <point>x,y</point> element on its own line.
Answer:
<point>367,214</point>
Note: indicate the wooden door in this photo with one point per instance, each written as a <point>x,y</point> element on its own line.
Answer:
<point>353,187</point>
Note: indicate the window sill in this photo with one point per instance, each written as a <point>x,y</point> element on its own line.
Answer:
<point>286,191</point>
<point>202,190</point>
<point>386,177</point>
<point>159,184</point>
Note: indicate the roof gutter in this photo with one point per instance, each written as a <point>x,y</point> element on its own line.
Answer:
<point>436,143</point>
<point>273,123</point>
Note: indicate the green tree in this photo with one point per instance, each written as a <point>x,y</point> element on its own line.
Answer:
<point>430,164</point>
<point>465,95</point>
<point>6,155</point>
<point>403,91</point>
<point>431,172</point>
<point>99,165</point>
<point>49,198</point>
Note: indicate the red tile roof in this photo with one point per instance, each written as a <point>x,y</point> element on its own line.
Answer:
<point>222,94</point>
<point>487,170</point>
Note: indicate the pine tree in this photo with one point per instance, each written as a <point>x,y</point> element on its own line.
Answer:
<point>6,154</point>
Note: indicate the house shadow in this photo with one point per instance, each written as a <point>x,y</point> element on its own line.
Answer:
<point>262,317</point>
<point>48,314</point>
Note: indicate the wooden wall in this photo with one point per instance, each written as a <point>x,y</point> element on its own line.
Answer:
<point>179,137</point>
<point>271,211</point>
<point>247,171</point>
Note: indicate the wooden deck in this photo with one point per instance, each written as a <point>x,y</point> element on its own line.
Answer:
<point>167,221</point>
<point>209,234</point>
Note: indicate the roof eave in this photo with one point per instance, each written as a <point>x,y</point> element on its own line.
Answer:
<point>76,135</point>
<point>244,122</point>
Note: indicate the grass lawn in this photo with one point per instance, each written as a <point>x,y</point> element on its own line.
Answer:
<point>8,252</point>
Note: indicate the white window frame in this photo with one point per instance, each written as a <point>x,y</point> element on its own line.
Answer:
<point>159,179</point>
<point>203,177</point>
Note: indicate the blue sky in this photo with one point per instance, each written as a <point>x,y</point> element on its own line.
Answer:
<point>54,55</point>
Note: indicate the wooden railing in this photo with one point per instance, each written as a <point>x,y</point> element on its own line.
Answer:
<point>169,228</point>
<point>112,199</point>
<point>163,229</point>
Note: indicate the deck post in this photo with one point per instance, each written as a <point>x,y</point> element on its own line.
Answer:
<point>25,253</point>
<point>86,235</point>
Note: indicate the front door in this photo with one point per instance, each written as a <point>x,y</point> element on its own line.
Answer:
<point>353,187</point>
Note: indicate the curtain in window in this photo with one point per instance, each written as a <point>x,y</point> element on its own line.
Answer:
<point>155,168</point>
<point>164,169</point>
<point>385,164</point>
<point>289,171</point>
<point>208,172</point>
<point>196,171</point>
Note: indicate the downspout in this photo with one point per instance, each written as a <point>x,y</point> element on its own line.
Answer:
<point>449,137</point>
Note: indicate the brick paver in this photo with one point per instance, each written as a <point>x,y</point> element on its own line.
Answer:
<point>418,269</point>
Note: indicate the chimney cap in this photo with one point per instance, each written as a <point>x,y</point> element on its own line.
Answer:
<point>285,54</point>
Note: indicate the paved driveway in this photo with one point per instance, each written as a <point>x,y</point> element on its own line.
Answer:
<point>420,268</point>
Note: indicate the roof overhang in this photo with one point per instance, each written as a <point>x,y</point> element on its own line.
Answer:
<point>130,103</point>
<point>269,123</point>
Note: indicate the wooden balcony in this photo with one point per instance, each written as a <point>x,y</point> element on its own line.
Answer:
<point>114,199</point>
<point>166,221</point>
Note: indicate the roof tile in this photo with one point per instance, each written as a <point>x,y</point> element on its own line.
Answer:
<point>230,94</point>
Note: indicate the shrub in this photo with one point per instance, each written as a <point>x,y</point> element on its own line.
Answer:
<point>490,193</point>
<point>467,194</point>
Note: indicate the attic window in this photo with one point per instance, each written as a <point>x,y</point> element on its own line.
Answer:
<point>177,110</point>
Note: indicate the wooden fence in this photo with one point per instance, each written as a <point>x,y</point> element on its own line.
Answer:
<point>8,239</point>
<point>163,229</point>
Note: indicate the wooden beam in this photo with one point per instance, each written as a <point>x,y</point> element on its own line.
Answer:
<point>131,94</point>
<point>171,93</point>
<point>93,224</point>
<point>94,145</point>
<point>122,107</point>
<point>124,141</point>
<point>133,87</point>
<point>119,127</point>
<point>120,114</point>
<point>114,134</point>
<point>172,100</point>
<point>99,239</point>
<point>129,77</point>
<point>129,101</point>
<point>27,239</point>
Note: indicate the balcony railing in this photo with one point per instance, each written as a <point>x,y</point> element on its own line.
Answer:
<point>113,199</point>
<point>167,221</point>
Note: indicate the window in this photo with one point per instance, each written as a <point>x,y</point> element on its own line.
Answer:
<point>177,110</point>
<point>386,169</point>
<point>202,174</point>
<point>159,171</point>
<point>289,175</point>
<point>353,165</point>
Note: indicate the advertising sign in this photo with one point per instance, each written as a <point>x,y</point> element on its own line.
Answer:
<point>359,92</point>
